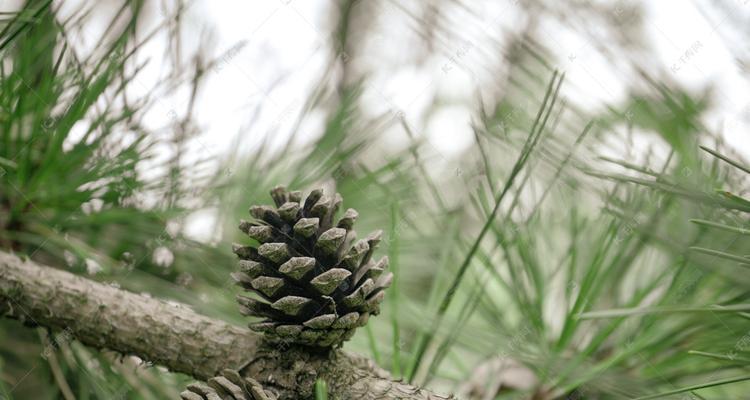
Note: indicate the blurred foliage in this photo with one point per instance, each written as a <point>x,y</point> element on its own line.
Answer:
<point>534,265</point>
<point>74,193</point>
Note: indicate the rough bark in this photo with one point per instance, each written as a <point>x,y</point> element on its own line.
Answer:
<point>172,335</point>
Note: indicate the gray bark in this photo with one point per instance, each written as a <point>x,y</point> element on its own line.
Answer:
<point>172,335</point>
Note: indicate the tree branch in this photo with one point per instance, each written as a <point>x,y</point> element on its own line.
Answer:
<point>172,335</point>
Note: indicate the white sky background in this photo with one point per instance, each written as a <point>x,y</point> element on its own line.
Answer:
<point>288,45</point>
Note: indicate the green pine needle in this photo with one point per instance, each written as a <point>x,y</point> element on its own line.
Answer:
<point>696,387</point>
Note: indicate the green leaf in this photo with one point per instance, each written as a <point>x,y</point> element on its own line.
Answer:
<point>321,390</point>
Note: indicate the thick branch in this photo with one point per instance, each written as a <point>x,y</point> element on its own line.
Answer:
<point>106,317</point>
<point>174,336</point>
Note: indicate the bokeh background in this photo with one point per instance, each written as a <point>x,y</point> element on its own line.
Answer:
<point>555,228</point>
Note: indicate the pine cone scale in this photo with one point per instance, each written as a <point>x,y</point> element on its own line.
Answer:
<point>228,386</point>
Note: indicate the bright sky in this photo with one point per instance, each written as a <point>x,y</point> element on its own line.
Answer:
<point>257,90</point>
<point>286,50</point>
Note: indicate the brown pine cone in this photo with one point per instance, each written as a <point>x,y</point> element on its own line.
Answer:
<point>315,281</point>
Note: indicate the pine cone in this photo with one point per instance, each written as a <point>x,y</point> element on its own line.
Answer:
<point>316,281</point>
<point>229,386</point>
